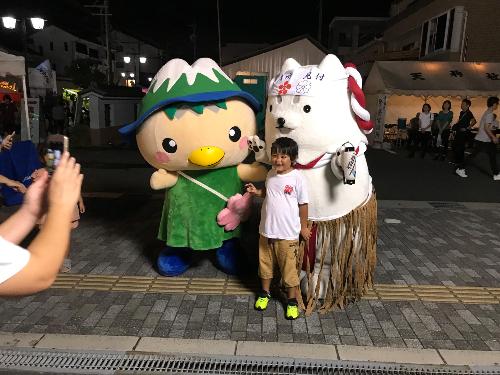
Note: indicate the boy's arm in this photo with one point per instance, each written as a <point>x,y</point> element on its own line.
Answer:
<point>303,214</point>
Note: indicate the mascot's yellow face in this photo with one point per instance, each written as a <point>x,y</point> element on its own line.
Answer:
<point>191,141</point>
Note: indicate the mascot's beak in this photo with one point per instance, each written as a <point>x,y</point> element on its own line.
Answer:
<point>207,156</point>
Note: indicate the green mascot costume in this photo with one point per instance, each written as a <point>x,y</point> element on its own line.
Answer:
<point>194,126</point>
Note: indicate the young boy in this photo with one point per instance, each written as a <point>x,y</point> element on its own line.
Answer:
<point>283,219</point>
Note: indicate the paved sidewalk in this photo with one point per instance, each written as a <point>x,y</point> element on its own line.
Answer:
<point>454,246</point>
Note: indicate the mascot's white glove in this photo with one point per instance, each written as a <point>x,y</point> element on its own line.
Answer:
<point>258,146</point>
<point>163,179</point>
<point>343,163</point>
<point>335,163</point>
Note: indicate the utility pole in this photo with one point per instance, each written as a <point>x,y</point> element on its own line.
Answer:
<point>109,72</point>
<point>218,33</point>
<point>320,20</point>
<point>104,12</point>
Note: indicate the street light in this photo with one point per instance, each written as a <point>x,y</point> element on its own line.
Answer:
<point>37,23</point>
<point>123,74</point>
<point>126,59</point>
<point>142,60</point>
<point>9,22</point>
<point>150,79</point>
<point>132,75</point>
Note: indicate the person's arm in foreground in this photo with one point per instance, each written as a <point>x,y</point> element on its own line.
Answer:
<point>49,246</point>
<point>16,185</point>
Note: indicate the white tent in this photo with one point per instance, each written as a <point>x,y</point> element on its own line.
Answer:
<point>303,49</point>
<point>11,65</point>
<point>398,89</point>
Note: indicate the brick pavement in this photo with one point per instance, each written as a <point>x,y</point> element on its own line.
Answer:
<point>454,246</point>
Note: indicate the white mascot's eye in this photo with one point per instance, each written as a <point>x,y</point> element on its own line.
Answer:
<point>307,108</point>
<point>169,145</point>
<point>271,108</point>
<point>234,134</point>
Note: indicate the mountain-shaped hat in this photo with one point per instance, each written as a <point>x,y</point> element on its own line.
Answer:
<point>179,82</point>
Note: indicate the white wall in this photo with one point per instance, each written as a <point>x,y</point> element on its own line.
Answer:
<point>58,55</point>
<point>122,111</point>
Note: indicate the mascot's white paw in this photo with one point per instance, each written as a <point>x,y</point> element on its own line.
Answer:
<point>335,165</point>
<point>258,146</point>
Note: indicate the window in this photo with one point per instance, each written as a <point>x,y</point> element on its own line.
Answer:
<point>51,46</point>
<point>345,39</point>
<point>119,64</point>
<point>66,46</point>
<point>81,48</point>
<point>437,33</point>
<point>93,53</point>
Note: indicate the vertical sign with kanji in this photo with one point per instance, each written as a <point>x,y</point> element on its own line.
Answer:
<point>380,119</point>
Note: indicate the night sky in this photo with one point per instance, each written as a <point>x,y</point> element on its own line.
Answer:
<point>169,24</point>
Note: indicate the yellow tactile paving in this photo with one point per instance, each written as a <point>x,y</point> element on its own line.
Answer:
<point>388,292</point>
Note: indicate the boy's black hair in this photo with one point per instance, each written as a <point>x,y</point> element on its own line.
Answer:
<point>446,101</point>
<point>287,146</point>
<point>428,105</point>
<point>492,100</point>
<point>467,101</point>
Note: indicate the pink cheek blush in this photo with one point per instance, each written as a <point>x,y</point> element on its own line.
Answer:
<point>243,143</point>
<point>162,157</point>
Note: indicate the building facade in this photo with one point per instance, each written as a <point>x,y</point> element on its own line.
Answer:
<point>62,48</point>
<point>437,30</point>
<point>347,34</point>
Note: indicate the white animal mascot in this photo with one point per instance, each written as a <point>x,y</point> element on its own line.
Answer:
<point>321,107</point>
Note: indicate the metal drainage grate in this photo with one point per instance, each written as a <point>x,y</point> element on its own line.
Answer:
<point>447,205</point>
<point>134,363</point>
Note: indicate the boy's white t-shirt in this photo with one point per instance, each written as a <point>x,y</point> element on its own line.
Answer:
<point>280,210</point>
<point>13,259</point>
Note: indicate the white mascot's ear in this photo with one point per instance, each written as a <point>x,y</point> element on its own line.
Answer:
<point>290,64</point>
<point>332,64</point>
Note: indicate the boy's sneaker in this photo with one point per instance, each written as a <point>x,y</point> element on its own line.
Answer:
<point>262,301</point>
<point>461,173</point>
<point>292,311</point>
<point>496,177</point>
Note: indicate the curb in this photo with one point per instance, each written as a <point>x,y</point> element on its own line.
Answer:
<point>250,349</point>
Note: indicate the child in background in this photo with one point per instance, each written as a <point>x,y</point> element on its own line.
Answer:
<point>79,208</point>
<point>283,219</point>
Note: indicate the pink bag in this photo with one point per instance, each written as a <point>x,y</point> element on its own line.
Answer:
<point>238,209</point>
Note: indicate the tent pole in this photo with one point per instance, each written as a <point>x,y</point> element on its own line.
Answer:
<point>28,132</point>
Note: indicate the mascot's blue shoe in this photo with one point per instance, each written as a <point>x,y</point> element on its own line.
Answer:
<point>174,261</point>
<point>229,256</point>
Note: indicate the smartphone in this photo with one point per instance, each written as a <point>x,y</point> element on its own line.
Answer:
<point>57,145</point>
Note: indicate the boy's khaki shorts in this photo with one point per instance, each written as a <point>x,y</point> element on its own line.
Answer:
<point>282,254</point>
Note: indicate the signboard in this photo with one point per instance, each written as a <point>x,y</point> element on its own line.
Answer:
<point>380,120</point>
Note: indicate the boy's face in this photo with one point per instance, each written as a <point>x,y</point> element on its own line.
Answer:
<point>465,106</point>
<point>281,162</point>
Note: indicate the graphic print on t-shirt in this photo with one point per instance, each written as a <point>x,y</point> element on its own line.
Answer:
<point>288,190</point>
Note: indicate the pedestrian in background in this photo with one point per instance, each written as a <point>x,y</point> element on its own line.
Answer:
<point>462,129</point>
<point>443,121</point>
<point>486,140</point>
